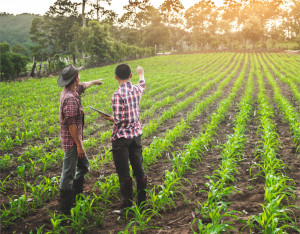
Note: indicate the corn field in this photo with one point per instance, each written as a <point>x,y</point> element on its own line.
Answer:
<point>221,148</point>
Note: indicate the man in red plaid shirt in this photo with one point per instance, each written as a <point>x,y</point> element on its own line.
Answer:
<point>71,117</point>
<point>126,137</point>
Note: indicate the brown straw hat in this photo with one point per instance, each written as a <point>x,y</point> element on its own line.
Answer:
<point>67,75</point>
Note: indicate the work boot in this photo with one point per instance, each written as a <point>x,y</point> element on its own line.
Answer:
<point>141,185</point>
<point>78,186</point>
<point>66,201</point>
<point>126,195</point>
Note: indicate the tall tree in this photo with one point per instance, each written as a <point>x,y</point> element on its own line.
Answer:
<point>63,8</point>
<point>20,49</point>
<point>263,9</point>
<point>230,10</point>
<point>295,17</point>
<point>252,29</point>
<point>172,16</point>
<point>172,12</point>
<point>157,34</point>
<point>132,9</point>
<point>144,18</point>
<point>199,17</point>
<point>59,19</point>
<point>43,47</point>
<point>83,5</point>
<point>96,40</point>
<point>100,10</point>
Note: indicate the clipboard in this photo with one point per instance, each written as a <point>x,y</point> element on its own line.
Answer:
<point>100,111</point>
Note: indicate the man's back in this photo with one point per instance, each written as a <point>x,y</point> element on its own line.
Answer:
<point>125,105</point>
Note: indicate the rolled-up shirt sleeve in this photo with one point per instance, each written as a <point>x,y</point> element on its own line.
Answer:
<point>117,108</point>
<point>141,86</point>
<point>70,111</point>
<point>80,88</point>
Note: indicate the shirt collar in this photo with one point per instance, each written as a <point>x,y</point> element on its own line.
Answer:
<point>126,84</point>
<point>67,90</point>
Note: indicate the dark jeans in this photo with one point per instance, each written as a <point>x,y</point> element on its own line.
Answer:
<point>70,163</point>
<point>128,149</point>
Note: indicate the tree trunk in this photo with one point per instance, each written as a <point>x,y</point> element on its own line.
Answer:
<point>40,69</point>
<point>32,74</point>
<point>49,66</point>
<point>97,9</point>
<point>84,25</point>
<point>74,59</point>
<point>83,13</point>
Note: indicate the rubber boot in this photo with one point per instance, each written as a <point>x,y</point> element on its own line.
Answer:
<point>141,185</point>
<point>126,195</point>
<point>78,186</point>
<point>66,201</point>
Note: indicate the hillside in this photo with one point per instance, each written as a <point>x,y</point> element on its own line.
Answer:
<point>15,28</point>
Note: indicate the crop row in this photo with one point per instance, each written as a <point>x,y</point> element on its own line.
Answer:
<point>291,115</point>
<point>275,217</point>
<point>215,208</point>
<point>286,77</point>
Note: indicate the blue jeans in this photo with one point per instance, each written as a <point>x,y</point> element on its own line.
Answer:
<point>70,163</point>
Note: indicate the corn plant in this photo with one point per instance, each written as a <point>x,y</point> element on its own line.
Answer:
<point>107,190</point>
<point>141,218</point>
<point>5,161</point>
<point>17,207</point>
<point>56,222</point>
<point>21,172</point>
<point>82,213</point>
<point>163,199</point>
<point>4,183</point>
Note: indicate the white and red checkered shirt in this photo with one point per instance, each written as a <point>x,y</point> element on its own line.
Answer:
<point>70,112</point>
<point>125,105</point>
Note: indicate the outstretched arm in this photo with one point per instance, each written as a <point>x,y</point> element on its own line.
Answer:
<point>93,82</point>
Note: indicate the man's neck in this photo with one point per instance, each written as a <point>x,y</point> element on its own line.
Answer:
<point>123,81</point>
<point>73,87</point>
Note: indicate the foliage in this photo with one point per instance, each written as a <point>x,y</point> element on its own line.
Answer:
<point>157,33</point>
<point>253,29</point>
<point>12,64</point>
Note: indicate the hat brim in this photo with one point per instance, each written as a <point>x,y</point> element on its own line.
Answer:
<point>62,83</point>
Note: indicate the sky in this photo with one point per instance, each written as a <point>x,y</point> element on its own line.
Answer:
<point>41,6</point>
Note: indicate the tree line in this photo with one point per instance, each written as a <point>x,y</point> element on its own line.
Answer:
<point>87,32</point>
<point>104,36</point>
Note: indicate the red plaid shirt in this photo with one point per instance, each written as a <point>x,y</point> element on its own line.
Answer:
<point>70,112</point>
<point>125,105</point>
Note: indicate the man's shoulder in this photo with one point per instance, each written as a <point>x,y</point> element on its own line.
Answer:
<point>67,96</point>
<point>118,92</point>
